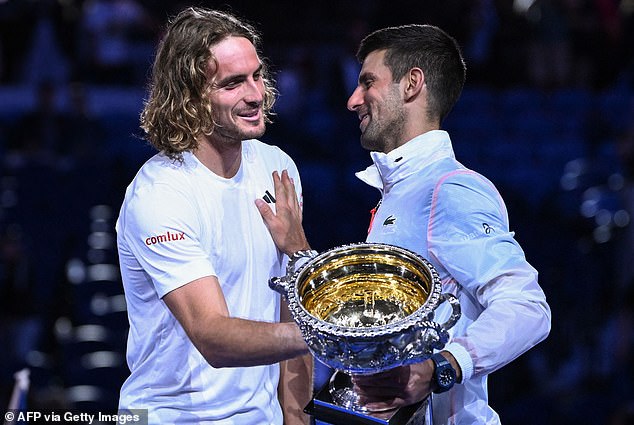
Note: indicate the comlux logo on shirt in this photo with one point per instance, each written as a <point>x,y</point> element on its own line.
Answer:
<point>166,237</point>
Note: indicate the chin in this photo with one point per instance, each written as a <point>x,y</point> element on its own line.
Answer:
<point>256,134</point>
<point>253,132</point>
<point>370,145</point>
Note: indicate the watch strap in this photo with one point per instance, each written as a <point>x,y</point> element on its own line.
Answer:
<point>439,360</point>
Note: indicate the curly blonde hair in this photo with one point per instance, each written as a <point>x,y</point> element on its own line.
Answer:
<point>178,110</point>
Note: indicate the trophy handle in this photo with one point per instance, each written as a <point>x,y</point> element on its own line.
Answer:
<point>279,285</point>
<point>455,313</point>
<point>282,284</point>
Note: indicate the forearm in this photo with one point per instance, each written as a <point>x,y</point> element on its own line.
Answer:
<point>519,326</point>
<point>200,308</point>
<point>233,342</point>
<point>507,300</point>
<point>296,388</point>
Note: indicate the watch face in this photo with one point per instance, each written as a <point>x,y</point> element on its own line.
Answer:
<point>445,377</point>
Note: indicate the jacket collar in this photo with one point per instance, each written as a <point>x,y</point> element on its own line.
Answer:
<point>412,156</point>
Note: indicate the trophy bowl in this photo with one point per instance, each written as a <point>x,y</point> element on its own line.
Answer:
<point>367,307</point>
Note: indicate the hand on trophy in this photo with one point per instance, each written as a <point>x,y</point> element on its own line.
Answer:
<point>396,387</point>
<point>285,224</point>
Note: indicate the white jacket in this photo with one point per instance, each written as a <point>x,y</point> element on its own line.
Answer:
<point>455,218</point>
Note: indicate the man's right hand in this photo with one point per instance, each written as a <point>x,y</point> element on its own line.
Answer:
<point>393,388</point>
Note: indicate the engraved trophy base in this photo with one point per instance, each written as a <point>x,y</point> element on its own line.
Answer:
<point>326,410</point>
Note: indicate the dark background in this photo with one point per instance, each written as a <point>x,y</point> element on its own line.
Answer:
<point>547,114</point>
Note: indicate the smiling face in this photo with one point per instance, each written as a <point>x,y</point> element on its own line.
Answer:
<point>237,91</point>
<point>379,103</point>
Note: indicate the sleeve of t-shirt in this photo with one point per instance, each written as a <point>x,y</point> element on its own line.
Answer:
<point>162,228</point>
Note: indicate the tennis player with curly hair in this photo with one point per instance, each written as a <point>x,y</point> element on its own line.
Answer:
<point>209,341</point>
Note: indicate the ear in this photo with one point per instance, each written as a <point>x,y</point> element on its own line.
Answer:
<point>414,82</point>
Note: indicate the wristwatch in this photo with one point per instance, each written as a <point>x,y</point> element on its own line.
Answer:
<point>444,373</point>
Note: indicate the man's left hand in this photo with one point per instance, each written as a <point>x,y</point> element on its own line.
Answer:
<point>285,224</point>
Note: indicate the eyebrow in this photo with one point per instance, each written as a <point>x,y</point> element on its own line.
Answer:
<point>236,77</point>
<point>365,76</point>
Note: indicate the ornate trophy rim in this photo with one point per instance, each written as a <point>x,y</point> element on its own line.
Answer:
<point>423,314</point>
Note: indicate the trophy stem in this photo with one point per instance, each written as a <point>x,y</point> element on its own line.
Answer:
<point>342,392</point>
<point>337,404</point>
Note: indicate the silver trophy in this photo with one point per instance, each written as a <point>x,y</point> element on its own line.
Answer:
<point>365,308</point>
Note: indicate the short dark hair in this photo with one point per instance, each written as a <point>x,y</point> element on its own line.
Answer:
<point>428,48</point>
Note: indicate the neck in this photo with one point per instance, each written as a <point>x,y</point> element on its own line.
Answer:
<point>223,159</point>
<point>415,122</point>
<point>410,132</point>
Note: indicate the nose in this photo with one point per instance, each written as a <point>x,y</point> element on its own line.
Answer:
<point>254,92</point>
<point>355,99</point>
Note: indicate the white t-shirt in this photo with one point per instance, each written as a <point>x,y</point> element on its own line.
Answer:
<point>180,222</point>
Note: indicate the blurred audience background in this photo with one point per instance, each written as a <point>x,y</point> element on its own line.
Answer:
<point>547,114</point>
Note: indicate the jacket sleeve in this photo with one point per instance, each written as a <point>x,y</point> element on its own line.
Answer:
<point>469,237</point>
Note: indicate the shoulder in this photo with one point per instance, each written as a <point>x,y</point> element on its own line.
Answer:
<point>254,146</point>
<point>464,205</point>
<point>465,192</point>
<point>159,188</point>
<point>464,181</point>
<point>161,173</point>
<point>271,155</point>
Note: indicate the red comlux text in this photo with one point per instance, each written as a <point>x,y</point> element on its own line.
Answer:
<point>166,237</point>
